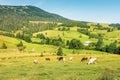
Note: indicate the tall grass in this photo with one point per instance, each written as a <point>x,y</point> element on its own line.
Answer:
<point>108,74</point>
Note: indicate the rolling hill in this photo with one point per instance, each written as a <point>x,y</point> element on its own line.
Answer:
<point>26,22</point>
<point>13,18</point>
<point>30,12</point>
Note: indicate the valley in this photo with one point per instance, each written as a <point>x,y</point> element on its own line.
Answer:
<point>34,34</point>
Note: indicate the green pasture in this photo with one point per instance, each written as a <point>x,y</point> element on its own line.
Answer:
<point>114,34</point>
<point>65,35</point>
<point>12,42</point>
<point>22,67</point>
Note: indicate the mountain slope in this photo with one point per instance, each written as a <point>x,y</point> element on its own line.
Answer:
<point>13,18</point>
<point>30,12</point>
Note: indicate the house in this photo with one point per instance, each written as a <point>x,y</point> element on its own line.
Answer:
<point>87,43</point>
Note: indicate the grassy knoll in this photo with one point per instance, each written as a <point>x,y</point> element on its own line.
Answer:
<point>115,35</point>
<point>68,35</point>
<point>109,37</point>
<point>23,68</point>
<point>12,42</point>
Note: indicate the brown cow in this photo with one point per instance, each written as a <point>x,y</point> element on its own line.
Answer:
<point>84,59</point>
<point>60,58</point>
<point>47,59</point>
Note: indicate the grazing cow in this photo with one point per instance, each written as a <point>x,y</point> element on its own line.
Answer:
<point>64,60</point>
<point>60,58</point>
<point>92,60</point>
<point>71,58</point>
<point>84,59</point>
<point>36,61</point>
<point>47,59</point>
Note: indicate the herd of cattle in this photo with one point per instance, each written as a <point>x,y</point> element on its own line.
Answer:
<point>92,60</point>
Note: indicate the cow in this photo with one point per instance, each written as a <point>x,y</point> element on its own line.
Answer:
<point>35,61</point>
<point>84,59</point>
<point>47,59</point>
<point>92,61</point>
<point>60,58</point>
<point>71,58</point>
<point>64,60</point>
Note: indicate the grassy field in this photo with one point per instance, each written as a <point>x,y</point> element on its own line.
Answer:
<point>22,67</point>
<point>68,35</point>
<point>19,66</point>
<point>12,42</point>
<point>109,37</point>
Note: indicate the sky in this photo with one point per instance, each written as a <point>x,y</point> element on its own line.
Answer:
<point>103,11</point>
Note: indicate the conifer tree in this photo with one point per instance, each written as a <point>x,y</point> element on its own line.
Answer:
<point>59,52</point>
<point>4,46</point>
<point>99,44</point>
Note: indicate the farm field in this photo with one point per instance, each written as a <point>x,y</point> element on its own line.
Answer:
<point>22,67</point>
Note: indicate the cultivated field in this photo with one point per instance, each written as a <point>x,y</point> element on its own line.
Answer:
<point>21,67</point>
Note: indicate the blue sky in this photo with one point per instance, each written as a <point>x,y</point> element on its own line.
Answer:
<point>105,11</point>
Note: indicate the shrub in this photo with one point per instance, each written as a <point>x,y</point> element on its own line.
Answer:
<point>20,46</point>
<point>4,46</point>
<point>75,44</point>
<point>41,36</point>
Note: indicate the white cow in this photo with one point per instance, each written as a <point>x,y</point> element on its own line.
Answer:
<point>92,60</point>
<point>71,58</point>
<point>64,60</point>
<point>36,61</point>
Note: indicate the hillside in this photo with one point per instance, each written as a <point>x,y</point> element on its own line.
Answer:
<point>30,12</point>
<point>36,27</point>
<point>13,18</point>
<point>12,45</point>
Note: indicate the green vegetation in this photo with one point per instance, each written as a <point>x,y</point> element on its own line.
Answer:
<point>115,25</point>
<point>60,52</point>
<point>4,46</point>
<point>108,74</point>
<point>64,39</point>
<point>24,17</point>
<point>99,44</point>
<point>20,46</point>
<point>75,44</point>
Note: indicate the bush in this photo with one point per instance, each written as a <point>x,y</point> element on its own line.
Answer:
<point>20,46</point>
<point>75,44</point>
<point>41,55</point>
<point>41,36</point>
<point>4,46</point>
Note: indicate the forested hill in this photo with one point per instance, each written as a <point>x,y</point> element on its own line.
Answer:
<point>30,12</point>
<point>13,18</point>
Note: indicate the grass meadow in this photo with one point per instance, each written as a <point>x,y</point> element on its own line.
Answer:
<point>21,67</point>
